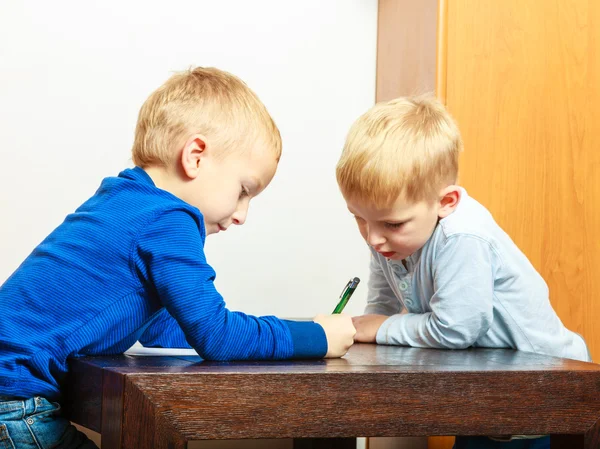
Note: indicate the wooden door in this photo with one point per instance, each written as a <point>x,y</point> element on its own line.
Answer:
<point>522,79</point>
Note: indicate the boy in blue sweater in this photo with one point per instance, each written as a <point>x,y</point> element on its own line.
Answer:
<point>129,263</point>
<point>443,273</point>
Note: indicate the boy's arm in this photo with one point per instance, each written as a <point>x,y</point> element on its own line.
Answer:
<point>170,256</point>
<point>461,305</point>
<point>381,299</point>
<point>164,332</point>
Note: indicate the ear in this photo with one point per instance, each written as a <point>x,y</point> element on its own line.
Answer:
<point>192,154</point>
<point>449,199</point>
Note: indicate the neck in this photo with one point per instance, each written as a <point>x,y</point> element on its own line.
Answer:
<point>164,179</point>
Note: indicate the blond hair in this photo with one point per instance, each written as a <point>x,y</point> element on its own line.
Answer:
<point>205,101</point>
<point>408,146</point>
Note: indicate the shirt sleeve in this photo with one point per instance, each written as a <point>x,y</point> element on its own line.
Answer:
<point>381,299</point>
<point>164,332</point>
<point>461,305</point>
<point>170,253</point>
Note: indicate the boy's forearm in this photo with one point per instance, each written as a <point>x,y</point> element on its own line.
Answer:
<point>245,337</point>
<point>308,339</point>
<point>425,330</point>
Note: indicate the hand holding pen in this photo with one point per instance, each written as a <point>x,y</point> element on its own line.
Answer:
<point>338,327</point>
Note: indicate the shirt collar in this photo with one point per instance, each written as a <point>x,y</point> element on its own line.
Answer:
<point>137,174</point>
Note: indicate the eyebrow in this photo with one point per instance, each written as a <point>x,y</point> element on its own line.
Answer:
<point>397,220</point>
<point>388,219</point>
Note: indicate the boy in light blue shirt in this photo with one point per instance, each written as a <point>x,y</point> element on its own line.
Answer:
<point>443,274</point>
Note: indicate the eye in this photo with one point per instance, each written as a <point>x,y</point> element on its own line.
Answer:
<point>244,193</point>
<point>393,225</point>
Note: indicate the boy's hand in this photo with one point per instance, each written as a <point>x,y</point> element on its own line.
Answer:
<point>367,327</point>
<point>339,332</point>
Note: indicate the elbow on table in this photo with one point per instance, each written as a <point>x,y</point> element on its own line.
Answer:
<point>464,335</point>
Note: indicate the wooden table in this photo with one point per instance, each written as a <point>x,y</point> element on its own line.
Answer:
<point>163,402</point>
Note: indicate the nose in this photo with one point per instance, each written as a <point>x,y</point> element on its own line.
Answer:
<point>240,214</point>
<point>374,238</point>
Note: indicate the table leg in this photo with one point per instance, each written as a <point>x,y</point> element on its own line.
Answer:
<point>590,440</point>
<point>592,437</point>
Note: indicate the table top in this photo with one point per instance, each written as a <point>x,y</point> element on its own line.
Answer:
<point>360,358</point>
<point>374,390</point>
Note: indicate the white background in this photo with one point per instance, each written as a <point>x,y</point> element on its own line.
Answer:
<point>72,78</point>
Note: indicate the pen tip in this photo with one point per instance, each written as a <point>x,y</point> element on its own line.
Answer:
<point>357,280</point>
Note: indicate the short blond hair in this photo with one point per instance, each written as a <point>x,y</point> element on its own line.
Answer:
<point>408,146</point>
<point>206,101</point>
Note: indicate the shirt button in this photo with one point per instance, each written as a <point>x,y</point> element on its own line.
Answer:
<point>403,285</point>
<point>29,421</point>
<point>408,302</point>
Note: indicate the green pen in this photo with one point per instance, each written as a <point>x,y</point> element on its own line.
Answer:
<point>346,294</point>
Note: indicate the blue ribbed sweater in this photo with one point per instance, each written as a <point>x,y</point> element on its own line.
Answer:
<point>127,265</point>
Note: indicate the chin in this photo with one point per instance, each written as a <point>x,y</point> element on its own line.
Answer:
<point>402,255</point>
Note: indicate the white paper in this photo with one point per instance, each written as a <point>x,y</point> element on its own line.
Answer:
<point>138,349</point>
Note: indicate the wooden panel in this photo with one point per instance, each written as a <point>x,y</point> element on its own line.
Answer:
<point>523,83</point>
<point>405,47</point>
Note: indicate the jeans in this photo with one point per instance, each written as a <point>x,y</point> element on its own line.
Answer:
<point>486,443</point>
<point>36,423</point>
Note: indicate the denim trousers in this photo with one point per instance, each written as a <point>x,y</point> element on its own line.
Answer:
<point>487,443</point>
<point>37,423</point>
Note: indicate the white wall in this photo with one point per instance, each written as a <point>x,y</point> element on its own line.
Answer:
<point>73,75</point>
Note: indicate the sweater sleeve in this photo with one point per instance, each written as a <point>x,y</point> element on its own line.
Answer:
<point>170,254</point>
<point>164,332</point>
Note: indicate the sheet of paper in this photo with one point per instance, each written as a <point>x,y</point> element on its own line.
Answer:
<point>138,349</point>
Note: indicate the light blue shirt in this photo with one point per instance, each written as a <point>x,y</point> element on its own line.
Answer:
<point>468,286</point>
